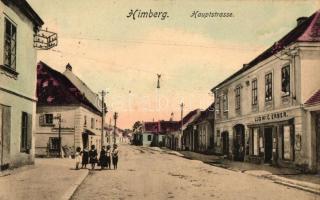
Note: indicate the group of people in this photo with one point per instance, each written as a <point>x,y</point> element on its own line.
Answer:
<point>91,156</point>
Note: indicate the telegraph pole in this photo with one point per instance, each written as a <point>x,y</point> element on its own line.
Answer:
<point>103,94</point>
<point>115,116</point>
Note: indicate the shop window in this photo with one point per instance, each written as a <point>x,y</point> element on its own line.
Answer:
<point>268,87</point>
<point>254,86</point>
<point>10,44</point>
<point>225,102</point>
<point>237,98</point>
<point>287,143</point>
<point>285,81</point>
<point>255,141</point>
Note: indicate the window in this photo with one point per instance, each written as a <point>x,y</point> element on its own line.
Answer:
<point>285,81</point>
<point>149,137</point>
<point>85,121</point>
<point>10,44</point>
<point>255,141</point>
<point>225,102</point>
<point>218,105</point>
<point>287,143</point>
<point>268,87</point>
<point>254,86</point>
<point>92,123</point>
<point>237,92</point>
<point>26,132</point>
<point>54,143</point>
<point>46,120</point>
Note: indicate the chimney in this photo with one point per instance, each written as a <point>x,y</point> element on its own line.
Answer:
<point>69,67</point>
<point>300,20</point>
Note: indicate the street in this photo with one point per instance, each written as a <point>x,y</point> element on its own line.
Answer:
<point>145,173</point>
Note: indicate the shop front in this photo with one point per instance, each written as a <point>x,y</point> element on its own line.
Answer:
<point>272,139</point>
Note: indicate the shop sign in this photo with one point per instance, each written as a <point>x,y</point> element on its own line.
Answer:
<point>271,116</point>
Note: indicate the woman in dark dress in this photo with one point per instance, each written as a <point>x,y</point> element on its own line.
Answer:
<point>103,158</point>
<point>85,157</point>
<point>115,156</point>
<point>93,156</point>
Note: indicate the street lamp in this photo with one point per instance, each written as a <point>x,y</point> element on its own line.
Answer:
<point>115,116</point>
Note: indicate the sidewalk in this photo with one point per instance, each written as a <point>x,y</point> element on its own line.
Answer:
<point>283,176</point>
<point>48,179</point>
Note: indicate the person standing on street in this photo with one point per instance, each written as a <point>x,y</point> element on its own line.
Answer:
<point>78,157</point>
<point>93,156</point>
<point>103,157</point>
<point>85,157</point>
<point>115,156</point>
<point>108,156</point>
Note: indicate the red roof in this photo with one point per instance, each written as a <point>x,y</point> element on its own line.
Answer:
<point>54,89</point>
<point>307,31</point>
<point>162,127</point>
<point>314,99</point>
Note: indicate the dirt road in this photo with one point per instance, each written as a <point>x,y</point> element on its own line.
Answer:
<point>148,174</point>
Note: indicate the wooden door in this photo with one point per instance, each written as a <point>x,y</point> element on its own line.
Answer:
<point>5,128</point>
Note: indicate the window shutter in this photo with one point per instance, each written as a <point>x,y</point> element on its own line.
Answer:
<point>29,132</point>
<point>6,132</point>
<point>41,120</point>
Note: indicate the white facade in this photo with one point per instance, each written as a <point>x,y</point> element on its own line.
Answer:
<point>17,89</point>
<point>282,114</point>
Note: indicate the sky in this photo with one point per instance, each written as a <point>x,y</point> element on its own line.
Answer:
<point>113,52</point>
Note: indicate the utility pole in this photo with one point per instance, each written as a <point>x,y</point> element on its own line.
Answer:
<point>103,94</point>
<point>58,117</point>
<point>181,131</point>
<point>115,116</point>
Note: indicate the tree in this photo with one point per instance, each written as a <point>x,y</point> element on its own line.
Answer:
<point>136,126</point>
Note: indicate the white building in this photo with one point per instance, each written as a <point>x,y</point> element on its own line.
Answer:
<point>80,110</point>
<point>18,22</point>
<point>268,112</point>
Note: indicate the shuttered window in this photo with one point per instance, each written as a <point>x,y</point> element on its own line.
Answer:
<point>26,132</point>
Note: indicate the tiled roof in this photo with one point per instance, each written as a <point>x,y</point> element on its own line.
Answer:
<point>53,88</point>
<point>161,126</point>
<point>307,31</point>
<point>314,99</point>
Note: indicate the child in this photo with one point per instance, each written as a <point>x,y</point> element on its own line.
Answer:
<point>108,155</point>
<point>78,157</point>
<point>85,157</point>
<point>103,158</point>
<point>115,156</point>
<point>93,156</point>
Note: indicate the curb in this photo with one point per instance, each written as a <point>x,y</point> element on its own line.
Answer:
<point>72,189</point>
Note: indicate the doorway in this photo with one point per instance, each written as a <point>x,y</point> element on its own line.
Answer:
<point>225,143</point>
<point>268,145</point>
<point>239,142</point>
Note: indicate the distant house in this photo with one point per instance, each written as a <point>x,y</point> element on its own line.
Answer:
<point>202,128</point>
<point>188,135</point>
<point>19,23</point>
<point>65,95</point>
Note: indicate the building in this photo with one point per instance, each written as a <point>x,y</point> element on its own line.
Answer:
<point>203,131</point>
<point>19,23</point>
<point>188,136</point>
<point>64,95</point>
<point>268,111</point>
